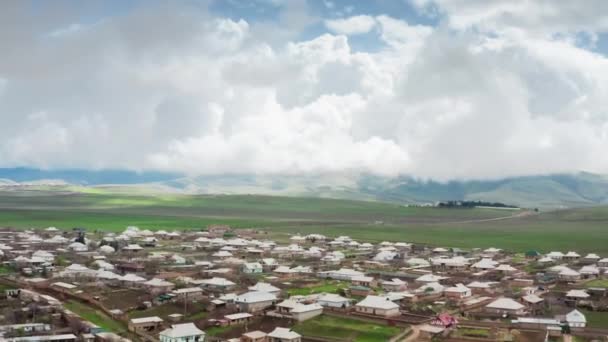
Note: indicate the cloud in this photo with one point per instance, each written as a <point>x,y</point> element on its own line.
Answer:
<point>358,24</point>
<point>539,17</point>
<point>482,94</point>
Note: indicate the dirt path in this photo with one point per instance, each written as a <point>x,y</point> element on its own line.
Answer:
<point>413,337</point>
<point>567,338</point>
<point>521,214</point>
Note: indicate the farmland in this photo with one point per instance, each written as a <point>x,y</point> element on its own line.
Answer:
<point>283,216</point>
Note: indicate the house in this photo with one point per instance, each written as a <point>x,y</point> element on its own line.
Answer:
<point>238,318</point>
<point>428,332</point>
<point>333,301</point>
<point>254,336</point>
<point>506,268</point>
<point>429,278</point>
<point>363,281</point>
<point>252,268</point>
<point>485,264</point>
<point>341,274</point>
<point>589,271</point>
<point>574,296</point>
<point>457,292</point>
<point>45,338</point>
<point>188,293</point>
<point>145,324</point>
<point>555,255</point>
<point>255,301</point>
<point>455,263</point>
<point>269,264</point>
<point>571,256</point>
<point>482,287</point>
<point>361,291</point>
<point>506,307</point>
<point>534,302</point>
<point>567,274</point>
<point>265,287</point>
<point>394,284</point>
<point>284,335</point>
<point>576,319</point>
<point>378,306</point>
<point>158,286</point>
<point>186,332</point>
<point>532,254</point>
<point>298,311</point>
<point>217,284</point>
<point>591,258</point>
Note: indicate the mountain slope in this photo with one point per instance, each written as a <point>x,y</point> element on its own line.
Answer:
<point>543,191</point>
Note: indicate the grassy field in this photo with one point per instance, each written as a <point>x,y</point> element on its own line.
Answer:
<point>597,283</point>
<point>596,319</point>
<point>327,287</point>
<point>345,329</point>
<point>96,317</point>
<point>583,230</point>
<point>195,311</point>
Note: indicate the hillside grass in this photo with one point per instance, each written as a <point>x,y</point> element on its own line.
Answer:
<point>583,230</point>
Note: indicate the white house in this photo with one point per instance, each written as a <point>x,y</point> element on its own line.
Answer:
<point>283,335</point>
<point>252,267</point>
<point>254,301</point>
<point>265,287</point>
<point>186,332</point>
<point>506,306</point>
<point>333,300</point>
<point>457,292</point>
<point>378,306</point>
<point>576,319</point>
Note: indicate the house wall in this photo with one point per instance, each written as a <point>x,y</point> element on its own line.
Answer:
<point>302,316</point>
<point>345,304</point>
<point>378,312</point>
<point>254,307</point>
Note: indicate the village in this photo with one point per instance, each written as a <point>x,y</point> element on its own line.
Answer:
<point>223,284</point>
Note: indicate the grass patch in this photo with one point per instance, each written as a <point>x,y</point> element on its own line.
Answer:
<point>597,283</point>
<point>596,319</point>
<point>472,332</point>
<point>345,329</point>
<point>328,287</point>
<point>215,331</point>
<point>95,316</point>
<point>195,311</point>
<point>5,269</point>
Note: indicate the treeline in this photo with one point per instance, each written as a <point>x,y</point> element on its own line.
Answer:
<point>472,204</point>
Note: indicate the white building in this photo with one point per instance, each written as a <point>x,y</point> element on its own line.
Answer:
<point>186,332</point>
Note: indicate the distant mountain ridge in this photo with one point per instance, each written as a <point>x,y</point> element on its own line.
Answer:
<point>543,191</point>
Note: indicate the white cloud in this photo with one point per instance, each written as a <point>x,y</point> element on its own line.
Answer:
<point>358,24</point>
<point>204,94</point>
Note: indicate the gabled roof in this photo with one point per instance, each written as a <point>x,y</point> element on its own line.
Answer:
<point>532,298</point>
<point>577,294</point>
<point>182,330</point>
<point>255,297</point>
<point>284,333</point>
<point>264,287</point>
<point>505,304</point>
<point>576,316</point>
<point>378,302</point>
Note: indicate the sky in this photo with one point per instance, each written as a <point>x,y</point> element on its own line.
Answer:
<point>441,89</point>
